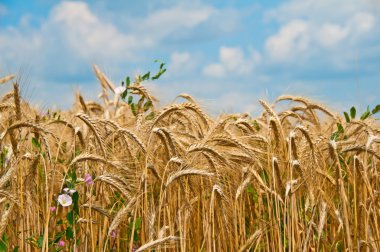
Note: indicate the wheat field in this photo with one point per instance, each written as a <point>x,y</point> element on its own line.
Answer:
<point>118,175</point>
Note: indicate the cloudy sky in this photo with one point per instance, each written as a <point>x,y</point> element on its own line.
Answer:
<point>227,54</point>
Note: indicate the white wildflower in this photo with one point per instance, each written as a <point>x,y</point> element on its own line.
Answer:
<point>119,90</point>
<point>333,144</point>
<point>65,200</point>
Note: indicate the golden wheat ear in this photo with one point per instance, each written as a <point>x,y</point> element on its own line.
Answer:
<point>7,78</point>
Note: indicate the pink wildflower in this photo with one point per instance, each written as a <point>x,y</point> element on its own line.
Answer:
<point>61,243</point>
<point>88,179</point>
<point>113,233</point>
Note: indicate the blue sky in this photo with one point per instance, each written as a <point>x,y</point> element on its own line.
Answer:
<point>227,54</point>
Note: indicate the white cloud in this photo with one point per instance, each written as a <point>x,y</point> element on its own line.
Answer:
<point>168,23</point>
<point>87,35</point>
<point>72,37</point>
<point>362,22</point>
<point>62,47</point>
<point>214,70</point>
<point>233,102</point>
<point>297,39</point>
<point>292,38</point>
<point>322,10</point>
<point>232,61</point>
<point>181,62</point>
<point>331,34</point>
<point>177,17</point>
<point>74,32</point>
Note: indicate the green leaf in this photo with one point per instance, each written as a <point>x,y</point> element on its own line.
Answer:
<point>58,236</point>
<point>41,171</point>
<point>130,99</point>
<point>365,115</point>
<point>347,117</point>
<point>138,223</point>
<point>69,233</point>
<point>3,155</point>
<point>264,176</point>
<point>376,109</point>
<point>334,136</point>
<point>70,217</point>
<point>162,65</point>
<point>339,246</point>
<point>128,81</point>
<point>150,116</point>
<point>147,105</point>
<point>75,202</point>
<point>253,192</point>
<point>4,243</point>
<point>124,94</point>
<point>134,109</point>
<point>146,76</point>
<point>16,249</point>
<point>72,174</point>
<point>256,125</point>
<point>36,143</point>
<point>40,241</point>
<point>136,237</point>
<point>340,128</point>
<point>353,112</point>
<point>161,72</point>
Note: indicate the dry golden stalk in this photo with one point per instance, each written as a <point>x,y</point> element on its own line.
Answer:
<point>95,158</point>
<point>98,209</point>
<point>261,182</point>
<point>343,196</point>
<point>132,136</point>
<point>7,96</point>
<point>5,218</point>
<point>242,186</point>
<point>116,182</point>
<point>5,106</point>
<point>82,103</point>
<point>158,242</point>
<point>187,97</point>
<point>103,80</point>
<point>121,215</point>
<point>10,197</point>
<point>92,125</point>
<point>249,243</point>
<point>306,102</point>
<point>7,78</point>
<point>207,149</point>
<point>312,197</point>
<point>187,172</point>
<point>17,101</point>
